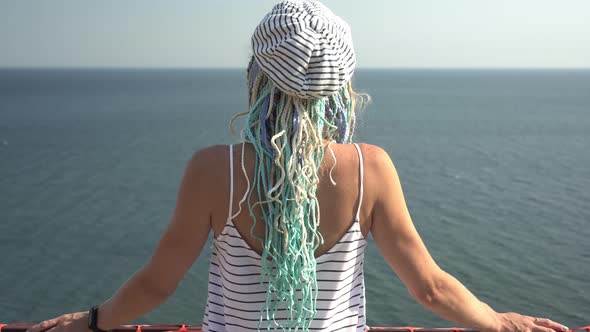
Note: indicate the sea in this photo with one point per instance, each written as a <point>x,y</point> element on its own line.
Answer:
<point>494,164</point>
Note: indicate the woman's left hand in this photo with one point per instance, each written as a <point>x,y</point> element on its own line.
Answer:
<point>74,322</point>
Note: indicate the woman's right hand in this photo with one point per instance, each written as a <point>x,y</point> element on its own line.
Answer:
<point>513,322</point>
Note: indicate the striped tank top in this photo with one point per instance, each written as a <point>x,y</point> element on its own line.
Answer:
<point>236,297</point>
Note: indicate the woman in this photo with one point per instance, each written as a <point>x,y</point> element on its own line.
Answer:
<point>291,219</point>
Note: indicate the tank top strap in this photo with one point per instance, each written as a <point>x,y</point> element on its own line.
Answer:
<point>358,211</point>
<point>231,181</point>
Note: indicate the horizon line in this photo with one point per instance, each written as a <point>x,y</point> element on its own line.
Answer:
<point>244,68</point>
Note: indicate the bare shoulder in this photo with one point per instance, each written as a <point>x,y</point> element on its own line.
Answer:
<point>207,167</point>
<point>209,161</point>
<point>376,159</point>
<point>209,157</point>
<point>381,178</point>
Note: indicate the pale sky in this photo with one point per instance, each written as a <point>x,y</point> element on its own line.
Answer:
<point>216,33</point>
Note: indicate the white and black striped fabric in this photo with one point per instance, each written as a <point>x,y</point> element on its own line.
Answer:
<point>236,298</point>
<point>304,48</point>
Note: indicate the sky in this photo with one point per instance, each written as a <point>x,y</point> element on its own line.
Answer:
<point>216,33</point>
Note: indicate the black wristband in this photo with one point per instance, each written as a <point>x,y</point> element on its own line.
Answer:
<point>93,319</point>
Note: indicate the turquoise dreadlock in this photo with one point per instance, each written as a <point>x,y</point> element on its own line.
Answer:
<point>287,134</point>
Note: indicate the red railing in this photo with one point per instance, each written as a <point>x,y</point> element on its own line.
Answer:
<point>22,327</point>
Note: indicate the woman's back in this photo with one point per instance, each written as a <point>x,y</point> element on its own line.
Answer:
<point>338,203</point>
<point>236,297</point>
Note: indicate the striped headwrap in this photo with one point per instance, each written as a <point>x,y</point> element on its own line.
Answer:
<point>304,48</point>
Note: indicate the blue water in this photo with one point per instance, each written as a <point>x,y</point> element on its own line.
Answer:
<point>495,167</point>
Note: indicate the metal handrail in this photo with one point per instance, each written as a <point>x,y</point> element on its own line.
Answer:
<point>22,327</point>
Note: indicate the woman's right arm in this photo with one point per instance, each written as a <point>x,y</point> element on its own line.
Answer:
<point>403,249</point>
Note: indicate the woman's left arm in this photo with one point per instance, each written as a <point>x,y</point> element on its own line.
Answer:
<point>178,248</point>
